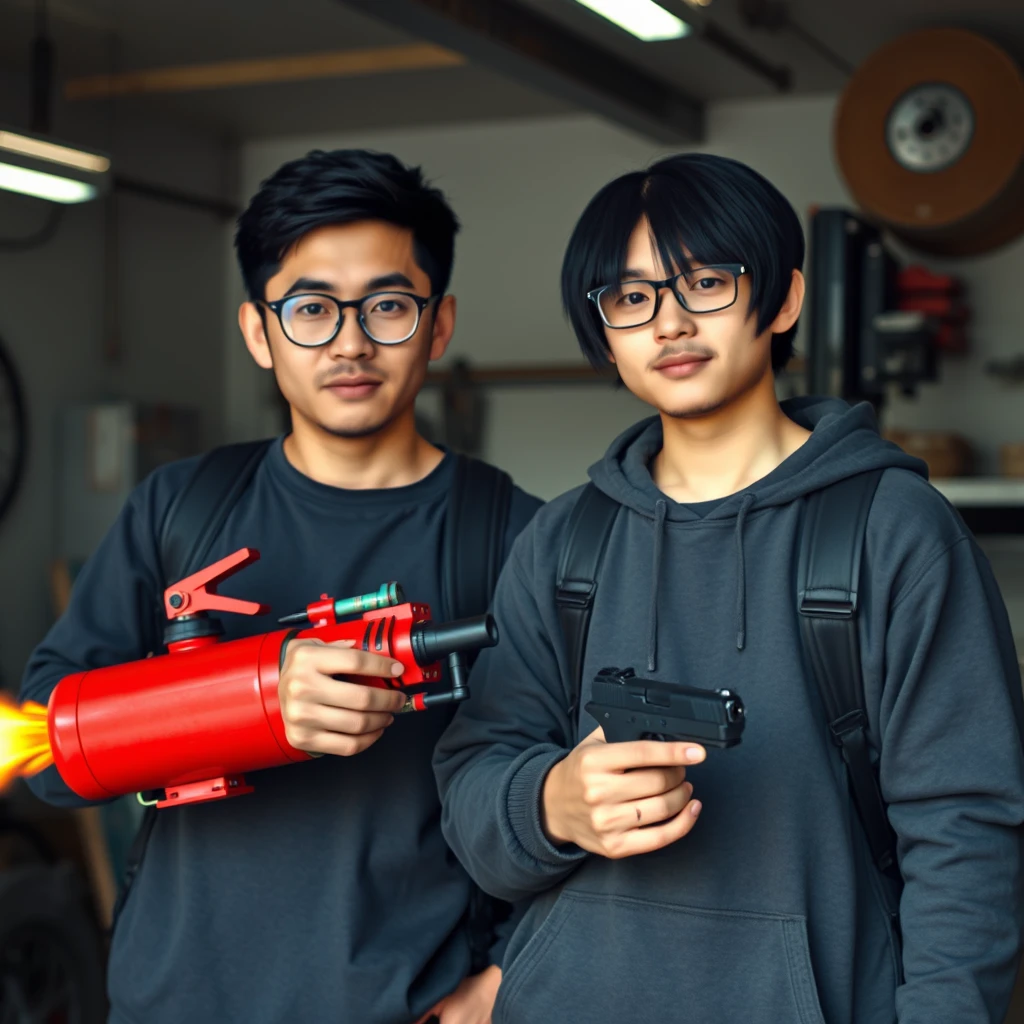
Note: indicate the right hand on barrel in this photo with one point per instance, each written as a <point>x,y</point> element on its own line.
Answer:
<point>621,799</point>
<point>325,714</point>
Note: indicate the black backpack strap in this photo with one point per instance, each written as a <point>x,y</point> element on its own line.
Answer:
<point>579,567</point>
<point>189,529</point>
<point>198,512</point>
<point>827,591</point>
<point>473,547</point>
<point>472,552</point>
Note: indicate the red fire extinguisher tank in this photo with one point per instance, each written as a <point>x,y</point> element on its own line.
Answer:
<point>190,715</point>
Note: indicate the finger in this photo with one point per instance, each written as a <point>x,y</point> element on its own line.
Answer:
<point>340,746</point>
<point>455,1011</point>
<point>616,818</point>
<point>319,717</point>
<point>334,660</point>
<point>316,688</point>
<point>624,787</point>
<point>647,754</point>
<point>646,840</point>
<point>315,641</point>
<point>357,696</point>
<point>655,809</point>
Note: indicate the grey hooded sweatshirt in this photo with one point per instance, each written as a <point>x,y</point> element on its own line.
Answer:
<point>770,910</point>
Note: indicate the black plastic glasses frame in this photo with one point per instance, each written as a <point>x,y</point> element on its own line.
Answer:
<point>421,304</point>
<point>736,269</point>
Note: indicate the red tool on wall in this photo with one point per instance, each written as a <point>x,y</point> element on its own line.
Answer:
<point>940,297</point>
<point>193,721</point>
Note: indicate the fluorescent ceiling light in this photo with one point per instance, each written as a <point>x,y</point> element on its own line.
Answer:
<point>28,146</point>
<point>44,186</point>
<point>37,165</point>
<point>642,18</point>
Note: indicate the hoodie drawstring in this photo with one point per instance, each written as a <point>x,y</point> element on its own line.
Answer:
<point>749,501</point>
<point>660,508</point>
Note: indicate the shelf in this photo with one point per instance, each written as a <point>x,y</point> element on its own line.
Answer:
<point>988,505</point>
<point>526,375</point>
<point>543,374</point>
<point>982,492</point>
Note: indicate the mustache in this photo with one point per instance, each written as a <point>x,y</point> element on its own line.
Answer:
<point>340,376</point>
<point>684,350</point>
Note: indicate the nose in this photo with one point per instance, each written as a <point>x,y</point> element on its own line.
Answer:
<point>673,319</point>
<point>351,341</point>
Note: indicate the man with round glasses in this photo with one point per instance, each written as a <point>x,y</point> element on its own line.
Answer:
<point>328,893</point>
<point>667,882</point>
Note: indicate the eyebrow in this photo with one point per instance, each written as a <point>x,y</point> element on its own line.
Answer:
<point>634,275</point>
<point>310,284</point>
<point>396,279</point>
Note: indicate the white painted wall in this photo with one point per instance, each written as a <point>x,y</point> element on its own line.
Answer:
<point>519,187</point>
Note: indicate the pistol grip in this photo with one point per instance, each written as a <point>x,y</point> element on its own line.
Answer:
<point>616,729</point>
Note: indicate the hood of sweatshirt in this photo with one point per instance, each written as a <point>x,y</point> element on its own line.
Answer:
<point>844,441</point>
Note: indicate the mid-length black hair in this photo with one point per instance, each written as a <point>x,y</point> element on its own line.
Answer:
<point>340,187</point>
<point>719,210</point>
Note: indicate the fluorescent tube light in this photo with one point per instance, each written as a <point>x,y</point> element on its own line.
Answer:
<point>36,165</point>
<point>642,18</point>
<point>44,186</point>
<point>50,151</point>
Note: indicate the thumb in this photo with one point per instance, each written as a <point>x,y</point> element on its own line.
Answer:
<point>597,736</point>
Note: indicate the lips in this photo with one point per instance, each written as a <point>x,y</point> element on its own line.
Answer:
<point>353,387</point>
<point>682,365</point>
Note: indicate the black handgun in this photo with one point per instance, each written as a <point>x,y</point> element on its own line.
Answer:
<point>629,708</point>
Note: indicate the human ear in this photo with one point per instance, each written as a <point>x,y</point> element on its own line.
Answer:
<point>254,332</point>
<point>443,327</point>
<point>790,311</point>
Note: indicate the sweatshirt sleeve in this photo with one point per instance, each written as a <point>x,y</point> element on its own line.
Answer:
<point>492,760</point>
<point>112,617</point>
<point>952,772</point>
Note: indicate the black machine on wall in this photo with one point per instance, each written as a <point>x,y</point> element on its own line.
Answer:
<point>873,323</point>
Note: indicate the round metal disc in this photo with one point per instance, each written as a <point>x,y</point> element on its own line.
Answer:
<point>930,127</point>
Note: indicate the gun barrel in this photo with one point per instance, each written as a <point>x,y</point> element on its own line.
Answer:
<point>432,642</point>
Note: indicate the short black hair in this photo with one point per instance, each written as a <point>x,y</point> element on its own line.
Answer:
<point>341,187</point>
<point>719,209</point>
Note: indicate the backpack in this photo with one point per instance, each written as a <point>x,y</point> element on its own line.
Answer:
<point>827,580</point>
<point>473,544</point>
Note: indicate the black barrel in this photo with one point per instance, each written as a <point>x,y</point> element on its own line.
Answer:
<point>432,642</point>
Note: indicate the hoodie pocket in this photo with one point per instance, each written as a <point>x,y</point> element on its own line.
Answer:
<point>616,959</point>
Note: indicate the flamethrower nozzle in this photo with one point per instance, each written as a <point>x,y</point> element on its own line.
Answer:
<point>432,642</point>
<point>449,640</point>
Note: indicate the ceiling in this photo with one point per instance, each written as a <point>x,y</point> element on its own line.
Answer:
<point>104,36</point>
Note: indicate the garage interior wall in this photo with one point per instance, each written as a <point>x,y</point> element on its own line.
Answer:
<point>53,316</point>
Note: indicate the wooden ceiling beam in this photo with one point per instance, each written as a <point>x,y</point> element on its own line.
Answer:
<point>231,74</point>
<point>539,52</point>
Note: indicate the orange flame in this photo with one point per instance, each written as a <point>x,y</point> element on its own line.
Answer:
<point>24,741</point>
